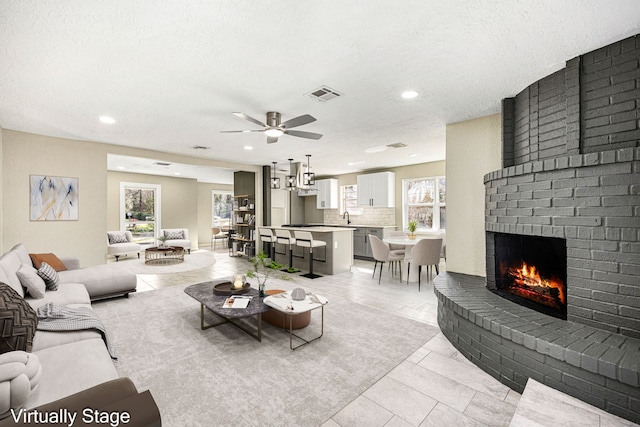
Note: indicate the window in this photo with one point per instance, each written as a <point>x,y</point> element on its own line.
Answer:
<point>349,200</point>
<point>222,208</point>
<point>140,211</point>
<point>424,200</point>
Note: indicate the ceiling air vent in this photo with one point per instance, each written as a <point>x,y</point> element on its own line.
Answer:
<point>200,147</point>
<point>324,94</point>
<point>397,145</point>
<point>161,164</point>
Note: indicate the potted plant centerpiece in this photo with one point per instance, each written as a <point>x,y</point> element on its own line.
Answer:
<point>263,268</point>
<point>412,227</point>
<point>163,241</point>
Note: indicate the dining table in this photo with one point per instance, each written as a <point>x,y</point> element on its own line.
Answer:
<point>408,244</point>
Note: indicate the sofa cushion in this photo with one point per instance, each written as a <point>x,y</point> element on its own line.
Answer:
<point>29,279</point>
<point>67,294</point>
<point>91,366</point>
<point>22,253</point>
<point>103,279</point>
<point>20,374</point>
<point>117,237</point>
<point>10,264</point>
<point>49,275</point>
<point>18,321</point>
<point>55,262</point>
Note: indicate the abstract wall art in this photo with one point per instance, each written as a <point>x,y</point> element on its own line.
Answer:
<point>54,198</point>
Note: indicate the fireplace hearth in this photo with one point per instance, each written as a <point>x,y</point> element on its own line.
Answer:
<point>532,271</point>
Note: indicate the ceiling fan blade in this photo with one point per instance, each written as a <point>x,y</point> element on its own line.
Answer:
<point>272,139</point>
<point>298,121</point>
<point>249,118</point>
<point>241,131</point>
<point>303,134</point>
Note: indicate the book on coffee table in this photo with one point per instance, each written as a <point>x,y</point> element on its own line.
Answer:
<point>237,301</point>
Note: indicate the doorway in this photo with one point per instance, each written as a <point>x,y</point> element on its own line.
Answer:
<point>140,211</point>
<point>222,208</point>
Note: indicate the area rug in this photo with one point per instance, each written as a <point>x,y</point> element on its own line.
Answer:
<point>193,261</point>
<point>223,377</point>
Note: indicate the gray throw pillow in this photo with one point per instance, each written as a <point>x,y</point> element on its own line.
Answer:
<point>174,235</point>
<point>50,276</point>
<point>117,237</point>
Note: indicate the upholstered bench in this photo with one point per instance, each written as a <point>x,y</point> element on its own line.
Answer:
<point>281,320</point>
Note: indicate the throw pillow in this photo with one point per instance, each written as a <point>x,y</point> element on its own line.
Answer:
<point>117,237</point>
<point>18,321</point>
<point>51,259</point>
<point>50,276</point>
<point>29,279</point>
<point>174,235</point>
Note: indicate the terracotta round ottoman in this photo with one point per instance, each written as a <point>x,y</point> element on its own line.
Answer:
<point>281,320</point>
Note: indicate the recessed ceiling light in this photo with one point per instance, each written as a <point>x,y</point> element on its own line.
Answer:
<point>409,94</point>
<point>354,163</point>
<point>248,147</point>
<point>377,149</point>
<point>413,155</point>
<point>121,167</point>
<point>176,173</point>
<point>108,120</point>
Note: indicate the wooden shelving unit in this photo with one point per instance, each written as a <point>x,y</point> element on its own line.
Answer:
<point>243,226</point>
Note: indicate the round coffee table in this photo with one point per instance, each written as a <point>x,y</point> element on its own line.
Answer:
<point>164,256</point>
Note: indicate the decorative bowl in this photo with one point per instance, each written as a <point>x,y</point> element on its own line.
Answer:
<point>226,288</point>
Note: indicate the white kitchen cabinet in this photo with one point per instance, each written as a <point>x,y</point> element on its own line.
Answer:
<point>327,194</point>
<point>377,190</point>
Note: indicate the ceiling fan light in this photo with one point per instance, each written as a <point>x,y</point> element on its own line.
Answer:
<point>273,132</point>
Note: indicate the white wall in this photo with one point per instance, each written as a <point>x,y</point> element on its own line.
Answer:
<point>474,149</point>
<point>1,194</point>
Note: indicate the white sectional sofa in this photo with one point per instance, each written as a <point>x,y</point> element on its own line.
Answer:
<point>71,361</point>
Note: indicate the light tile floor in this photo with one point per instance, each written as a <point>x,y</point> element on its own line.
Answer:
<point>434,386</point>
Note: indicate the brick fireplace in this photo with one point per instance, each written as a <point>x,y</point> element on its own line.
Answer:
<point>571,171</point>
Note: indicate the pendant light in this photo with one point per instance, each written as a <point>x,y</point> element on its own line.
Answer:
<point>291,178</point>
<point>309,178</point>
<point>275,181</point>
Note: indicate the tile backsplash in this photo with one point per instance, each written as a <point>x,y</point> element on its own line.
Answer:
<point>370,216</point>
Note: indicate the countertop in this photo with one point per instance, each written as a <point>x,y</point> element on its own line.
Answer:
<point>356,225</point>
<point>314,229</point>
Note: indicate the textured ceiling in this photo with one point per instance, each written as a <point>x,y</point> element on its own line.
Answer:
<point>171,72</point>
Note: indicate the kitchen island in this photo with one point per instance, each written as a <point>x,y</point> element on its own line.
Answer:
<point>336,257</point>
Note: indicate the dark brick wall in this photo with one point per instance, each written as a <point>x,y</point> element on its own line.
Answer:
<point>593,201</point>
<point>514,344</point>
<point>539,116</point>
<point>591,105</point>
<point>609,94</point>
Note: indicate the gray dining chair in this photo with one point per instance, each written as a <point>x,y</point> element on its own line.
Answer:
<point>425,252</point>
<point>382,254</point>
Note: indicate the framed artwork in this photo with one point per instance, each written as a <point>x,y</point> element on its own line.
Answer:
<point>53,198</point>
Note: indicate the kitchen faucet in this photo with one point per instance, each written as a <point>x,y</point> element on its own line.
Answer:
<point>348,217</point>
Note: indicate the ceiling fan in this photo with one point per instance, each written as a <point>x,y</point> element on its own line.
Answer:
<point>274,128</point>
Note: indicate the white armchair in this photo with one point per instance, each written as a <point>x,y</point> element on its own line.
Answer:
<point>121,243</point>
<point>177,237</point>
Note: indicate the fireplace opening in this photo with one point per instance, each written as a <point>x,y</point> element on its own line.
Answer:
<point>532,271</point>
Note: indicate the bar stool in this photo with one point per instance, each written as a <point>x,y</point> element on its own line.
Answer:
<point>266,236</point>
<point>284,237</point>
<point>304,239</point>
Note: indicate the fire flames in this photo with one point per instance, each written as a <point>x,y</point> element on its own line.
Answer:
<point>527,283</point>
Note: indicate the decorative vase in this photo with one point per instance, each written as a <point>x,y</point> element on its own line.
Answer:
<point>261,289</point>
<point>412,236</point>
